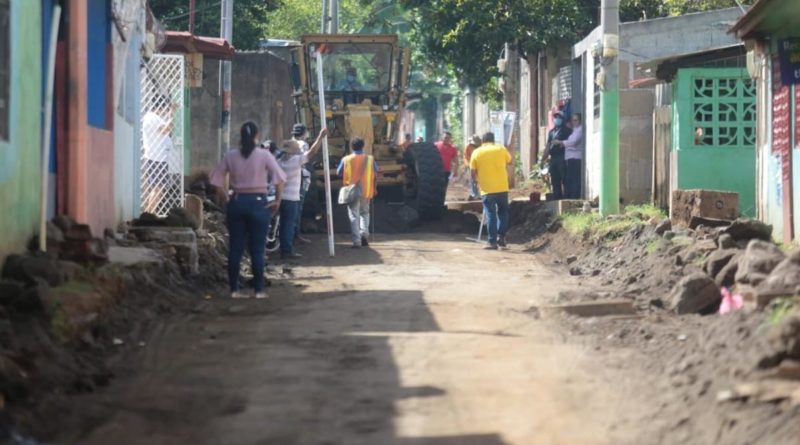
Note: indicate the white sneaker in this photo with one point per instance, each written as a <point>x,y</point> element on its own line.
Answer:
<point>261,296</point>
<point>239,294</point>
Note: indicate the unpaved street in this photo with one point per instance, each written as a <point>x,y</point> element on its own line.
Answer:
<point>421,339</point>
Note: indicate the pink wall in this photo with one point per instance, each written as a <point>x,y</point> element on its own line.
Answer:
<point>100,180</point>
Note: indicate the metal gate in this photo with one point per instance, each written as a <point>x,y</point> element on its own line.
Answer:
<point>162,134</point>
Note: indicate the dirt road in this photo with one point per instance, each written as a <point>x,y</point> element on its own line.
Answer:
<point>421,339</point>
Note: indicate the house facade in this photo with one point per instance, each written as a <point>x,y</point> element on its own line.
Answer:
<point>20,122</point>
<point>639,42</point>
<point>772,37</point>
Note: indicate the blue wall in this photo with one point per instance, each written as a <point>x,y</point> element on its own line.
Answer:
<point>99,36</point>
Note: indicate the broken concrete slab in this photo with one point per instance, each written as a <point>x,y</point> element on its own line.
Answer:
<point>465,206</point>
<point>183,239</point>
<point>597,308</point>
<point>194,207</point>
<point>700,203</point>
<point>787,369</point>
<point>128,256</point>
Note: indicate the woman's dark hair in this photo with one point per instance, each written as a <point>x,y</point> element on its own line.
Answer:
<point>248,143</point>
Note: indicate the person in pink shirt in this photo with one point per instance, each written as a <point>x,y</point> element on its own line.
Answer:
<point>449,153</point>
<point>249,170</point>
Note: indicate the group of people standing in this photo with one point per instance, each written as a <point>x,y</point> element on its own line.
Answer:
<point>563,155</point>
<point>259,179</point>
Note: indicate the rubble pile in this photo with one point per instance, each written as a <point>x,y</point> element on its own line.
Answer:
<point>529,220</point>
<point>66,312</point>
<point>718,365</point>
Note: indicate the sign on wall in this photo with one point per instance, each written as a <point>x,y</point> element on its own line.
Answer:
<point>502,125</point>
<point>789,54</point>
<point>781,112</point>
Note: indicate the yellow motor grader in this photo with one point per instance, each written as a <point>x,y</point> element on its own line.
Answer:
<point>365,79</point>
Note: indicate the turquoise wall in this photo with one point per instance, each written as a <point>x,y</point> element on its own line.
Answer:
<point>721,161</point>
<point>20,155</point>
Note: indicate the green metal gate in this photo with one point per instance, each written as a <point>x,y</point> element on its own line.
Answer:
<point>714,132</point>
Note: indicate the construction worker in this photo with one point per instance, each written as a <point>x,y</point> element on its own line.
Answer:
<point>449,154</point>
<point>359,168</point>
<point>488,165</point>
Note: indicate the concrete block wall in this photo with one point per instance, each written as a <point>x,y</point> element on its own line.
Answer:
<point>261,92</point>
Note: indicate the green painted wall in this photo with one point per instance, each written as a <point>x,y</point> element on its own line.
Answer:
<point>20,155</point>
<point>722,102</point>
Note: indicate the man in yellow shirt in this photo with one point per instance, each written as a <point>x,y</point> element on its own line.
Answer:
<point>488,167</point>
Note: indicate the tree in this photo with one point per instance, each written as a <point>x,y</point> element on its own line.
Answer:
<point>680,7</point>
<point>249,18</point>
<point>297,17</point>
<point>468,36</point>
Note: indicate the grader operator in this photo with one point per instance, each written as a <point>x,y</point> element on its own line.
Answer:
<point>365,84</point>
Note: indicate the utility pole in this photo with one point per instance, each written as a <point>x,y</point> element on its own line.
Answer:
<point>609,109</point>
<point>324,27</point>
<point>226,32</point>
<point>333,16</point>
<point>192,7</point>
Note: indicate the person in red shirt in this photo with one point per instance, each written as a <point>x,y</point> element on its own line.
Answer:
<point>449,154</point>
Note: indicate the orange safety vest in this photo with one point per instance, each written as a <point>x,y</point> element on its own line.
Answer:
<point>353,168</point>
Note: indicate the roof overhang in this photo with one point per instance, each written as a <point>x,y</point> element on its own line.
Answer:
<point>349,38</point>
<point>768,18</point>
<point>185,42</point>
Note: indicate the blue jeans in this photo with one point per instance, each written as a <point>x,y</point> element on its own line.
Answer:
<point>495,206</point>
<point>248,222</point>
<point>290,213</point>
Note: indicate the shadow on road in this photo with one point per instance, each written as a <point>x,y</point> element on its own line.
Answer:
<point>313,368</point>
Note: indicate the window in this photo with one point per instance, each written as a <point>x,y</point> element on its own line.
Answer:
<point>5,69</point>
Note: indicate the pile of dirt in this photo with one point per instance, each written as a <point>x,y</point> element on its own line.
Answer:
<point>67,315</point>
<point>529,220</point>
<point>704,366</point>
<point>691,363</point>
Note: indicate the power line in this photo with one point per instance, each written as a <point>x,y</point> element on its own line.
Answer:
<point>190,12</point>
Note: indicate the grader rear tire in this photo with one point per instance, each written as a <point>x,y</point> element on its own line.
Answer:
<point>425,183</point>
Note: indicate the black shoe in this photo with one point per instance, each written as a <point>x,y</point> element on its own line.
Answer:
<point>364,241</point>
<point>490,247</point>
<point>501,241</point>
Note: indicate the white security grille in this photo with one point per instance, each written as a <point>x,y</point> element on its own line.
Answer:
<point>162,134</point>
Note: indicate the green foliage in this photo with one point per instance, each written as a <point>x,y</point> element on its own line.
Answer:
<point>468,36</point>
<point>779,308</point>
<point>249,18</point>
<point>297,17</point>
<point>595,228</point>
<point>680,7</point>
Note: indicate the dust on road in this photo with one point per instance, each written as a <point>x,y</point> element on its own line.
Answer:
<point>422,339</point>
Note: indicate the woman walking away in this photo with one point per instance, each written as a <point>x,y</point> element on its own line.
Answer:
<point>248,212</point>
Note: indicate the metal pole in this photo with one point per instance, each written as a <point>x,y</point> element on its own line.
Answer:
<point>334,16</point>
<point>226,32</point>
<point>324,24</point>
<point>192,7</point>
<point>325,156</point>
<point>609,109</point>
<point>48,121</point>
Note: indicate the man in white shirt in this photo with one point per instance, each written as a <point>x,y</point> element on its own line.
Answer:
<point>160,162</point>
<point>573,153</point>
<point>291,159</point>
